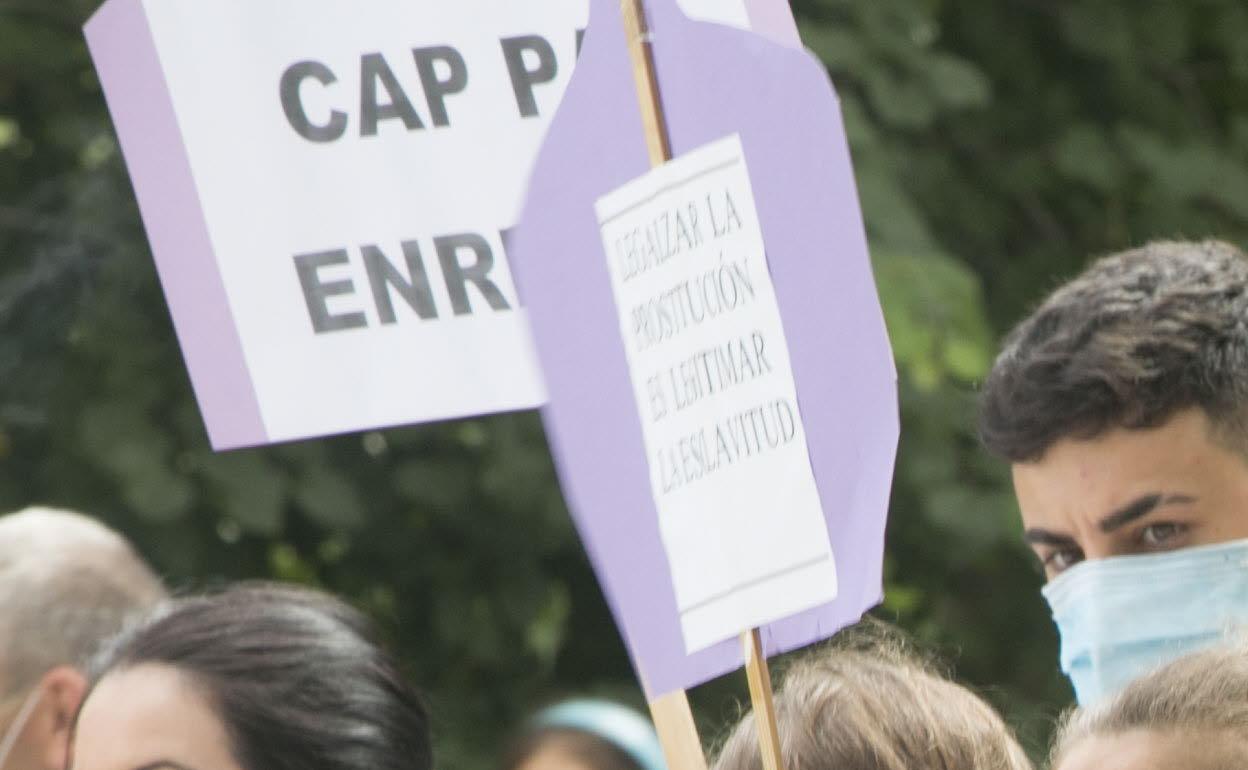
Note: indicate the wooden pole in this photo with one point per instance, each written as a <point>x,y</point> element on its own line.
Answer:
<point>638,31</point>
<point>673,719</point>
<point>760,696</point>
<point>678,734</point>
<point>672,716</point>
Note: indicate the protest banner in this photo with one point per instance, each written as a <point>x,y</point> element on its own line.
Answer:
<point>327,188</point>
<point>714,350</point>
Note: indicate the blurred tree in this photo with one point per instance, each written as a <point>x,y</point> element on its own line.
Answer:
<point>997,145</point>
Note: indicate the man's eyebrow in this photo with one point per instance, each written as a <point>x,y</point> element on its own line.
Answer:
<point>162,764</point>
<point>1045,537</point>
<point>1139,508</point>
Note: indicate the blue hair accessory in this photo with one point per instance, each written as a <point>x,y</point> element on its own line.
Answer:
<point>618,725</point>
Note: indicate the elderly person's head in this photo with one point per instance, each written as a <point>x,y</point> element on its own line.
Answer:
<point>876,708</point>
<point>67,584</point>
<point>1192,713</point>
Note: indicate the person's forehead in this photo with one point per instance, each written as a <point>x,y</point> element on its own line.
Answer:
<point>136,716</point>
<point>1142,749</point>
<point>1101,471</point>
<point>1121,448</point>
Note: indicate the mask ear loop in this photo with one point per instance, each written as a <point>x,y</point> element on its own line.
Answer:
<point>19,723</point>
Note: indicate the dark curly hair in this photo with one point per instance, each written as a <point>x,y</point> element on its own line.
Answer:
<point>1139,336</point>
<point>296,676</point>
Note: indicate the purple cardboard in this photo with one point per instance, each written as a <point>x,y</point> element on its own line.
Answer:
<point>125,57</point>
<point>714,81</point>
<point>774,19</point>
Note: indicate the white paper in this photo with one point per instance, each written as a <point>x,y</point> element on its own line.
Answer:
<point>738,507</point>
<point>272,196</point>
<point>455,166</point>
<point>731,12</point>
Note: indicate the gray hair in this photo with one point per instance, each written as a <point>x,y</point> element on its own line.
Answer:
<point>67,584</point>
<point>877,707</point>
<point>1205,694</point>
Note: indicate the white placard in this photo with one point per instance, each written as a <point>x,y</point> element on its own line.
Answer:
<point>738,507</point>
<point>336,259</point>
<point>329,138</point>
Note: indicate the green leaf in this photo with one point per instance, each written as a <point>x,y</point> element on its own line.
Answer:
<point>330,500</point>
<point>935,316</point>
<point>439,483</point>
<point>252,490</point>
<point>124,441</point>
<point>957,83</point>
<point>1085,155</point>
<point>1097,28</point>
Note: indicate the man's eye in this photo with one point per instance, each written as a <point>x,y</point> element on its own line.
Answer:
<point>1158,535</point>
<point>1063,559</point>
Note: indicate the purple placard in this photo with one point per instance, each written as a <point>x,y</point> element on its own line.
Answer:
<point>714,81</point>
<point>774,19</point>
<point>138,97</point>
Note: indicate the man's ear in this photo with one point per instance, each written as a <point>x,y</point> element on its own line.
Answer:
<point>51,726</point>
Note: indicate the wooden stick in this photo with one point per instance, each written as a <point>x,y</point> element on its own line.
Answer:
<point>760,695</point>
<point>672,716</point>
<point>638,31</point>
<point>673,719</point>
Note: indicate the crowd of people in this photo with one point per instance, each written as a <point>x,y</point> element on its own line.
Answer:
<point>1121,404</point>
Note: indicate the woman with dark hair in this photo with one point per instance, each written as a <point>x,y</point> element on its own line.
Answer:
<point>256,677</point>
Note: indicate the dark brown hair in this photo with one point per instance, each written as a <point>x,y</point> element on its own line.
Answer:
<point>866,703</point>
<point>296,676</point>
<point>1137,337</point>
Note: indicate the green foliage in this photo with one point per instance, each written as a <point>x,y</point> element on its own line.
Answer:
<point>997,145</point>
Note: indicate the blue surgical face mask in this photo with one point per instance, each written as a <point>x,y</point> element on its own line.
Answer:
<point>1121,617</point>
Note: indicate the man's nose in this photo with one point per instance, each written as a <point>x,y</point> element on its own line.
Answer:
<point>1097,545</point>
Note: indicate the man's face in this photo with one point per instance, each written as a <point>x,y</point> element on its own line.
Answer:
<point>1132,492</point>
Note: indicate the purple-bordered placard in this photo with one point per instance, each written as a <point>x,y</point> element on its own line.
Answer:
<point>129,67</point>
<point>715,81</point>
<point>773,19</point>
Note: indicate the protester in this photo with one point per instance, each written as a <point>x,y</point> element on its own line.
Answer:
<point>67,583</point>
<point>1192,713</point>
<point>874,706</point>
<point>586,735</point>
<point>1122,403</point>
<point>256,677</point>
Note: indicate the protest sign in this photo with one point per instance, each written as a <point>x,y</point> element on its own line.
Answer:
<point>792,146</point>
<point>771,18</point>
<point>714,389</point>
<point>326,189</point>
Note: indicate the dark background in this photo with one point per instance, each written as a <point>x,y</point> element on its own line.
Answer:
<point>997,143</point>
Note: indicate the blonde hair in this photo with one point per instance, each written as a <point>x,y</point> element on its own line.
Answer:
<point>1205,693</point>
<point>867,703</point>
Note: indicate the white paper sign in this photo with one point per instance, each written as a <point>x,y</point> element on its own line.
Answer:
<point>737,501</point>
<point>326,187</point>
